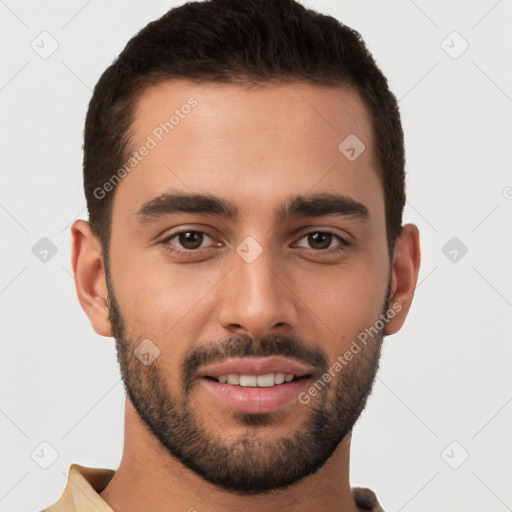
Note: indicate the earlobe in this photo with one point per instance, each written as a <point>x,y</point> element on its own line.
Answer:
<point>404,276</point>
<point>89,273</point>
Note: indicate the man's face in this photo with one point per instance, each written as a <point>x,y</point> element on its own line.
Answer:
<point>282,294</point>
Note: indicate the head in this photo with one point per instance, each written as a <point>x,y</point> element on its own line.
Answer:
<point>225,146</point>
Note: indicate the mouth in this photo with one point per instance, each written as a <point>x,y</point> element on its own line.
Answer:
<point>261,381</point>
<point>256,385</point>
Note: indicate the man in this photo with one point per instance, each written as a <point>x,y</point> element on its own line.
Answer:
<point>244,174</point>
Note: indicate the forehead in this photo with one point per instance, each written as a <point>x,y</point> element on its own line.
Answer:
<point>252,146</point>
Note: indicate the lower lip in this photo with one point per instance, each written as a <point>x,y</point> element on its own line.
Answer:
<point>256,400</point>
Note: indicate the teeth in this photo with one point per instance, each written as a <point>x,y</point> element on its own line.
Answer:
<point>265,381</point>
<point>279,378</point>
<point>248,380</point>
<point>233,379</point>
<point>260,381</point>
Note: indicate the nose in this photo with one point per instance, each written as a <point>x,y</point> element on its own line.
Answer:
<point>257,297</point>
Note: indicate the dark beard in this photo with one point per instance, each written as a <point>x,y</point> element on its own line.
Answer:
<point>245,464</point>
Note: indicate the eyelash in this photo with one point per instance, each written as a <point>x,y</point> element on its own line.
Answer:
<point>194,252</point>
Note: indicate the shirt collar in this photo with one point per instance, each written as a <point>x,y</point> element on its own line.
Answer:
<point>82,488</point>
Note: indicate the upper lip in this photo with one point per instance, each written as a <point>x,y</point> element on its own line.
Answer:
<point>256,366</point>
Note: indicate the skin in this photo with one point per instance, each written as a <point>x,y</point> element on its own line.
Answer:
<point>256,148</point>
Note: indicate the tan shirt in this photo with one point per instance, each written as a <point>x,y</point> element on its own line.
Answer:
<point>84,484</point>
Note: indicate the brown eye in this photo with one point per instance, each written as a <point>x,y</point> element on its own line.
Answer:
<point>190,239</point>
<point>321,240</point>
<point>186,240</point>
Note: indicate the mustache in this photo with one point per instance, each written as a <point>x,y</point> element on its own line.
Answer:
<point>245,346</point>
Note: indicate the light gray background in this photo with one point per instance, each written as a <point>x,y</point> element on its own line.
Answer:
<point>445,377</point>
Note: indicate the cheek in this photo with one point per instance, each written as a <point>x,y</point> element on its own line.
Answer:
<point>163,300</point>
<point>343,302</point>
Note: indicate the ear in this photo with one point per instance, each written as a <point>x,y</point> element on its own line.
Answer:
<point>89,272</point>
<point>404,275</point>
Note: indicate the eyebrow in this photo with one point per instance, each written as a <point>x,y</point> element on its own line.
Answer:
<point>310,205</point>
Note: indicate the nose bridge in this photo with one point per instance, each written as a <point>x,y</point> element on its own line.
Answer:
<point>255,299</point>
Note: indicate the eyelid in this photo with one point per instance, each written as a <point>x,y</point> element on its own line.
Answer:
<point>339,232</point>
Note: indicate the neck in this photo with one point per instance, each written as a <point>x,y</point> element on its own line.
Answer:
<point>148,478</point>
